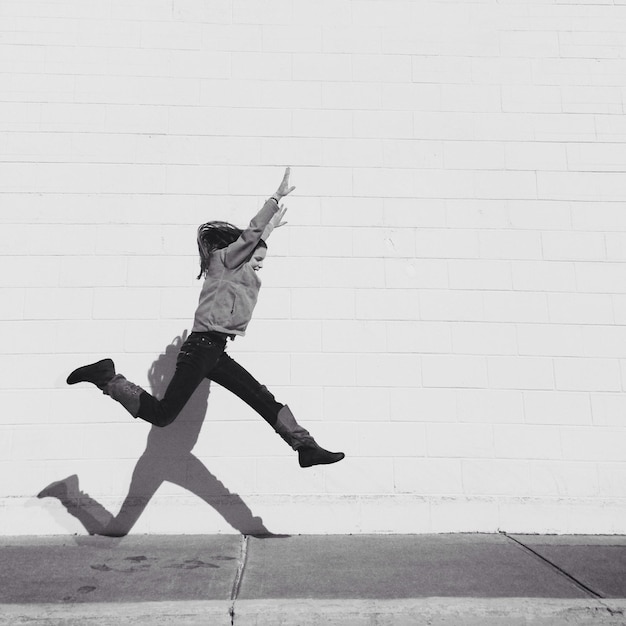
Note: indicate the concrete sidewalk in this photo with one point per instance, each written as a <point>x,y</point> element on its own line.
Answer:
<point>332,579</point>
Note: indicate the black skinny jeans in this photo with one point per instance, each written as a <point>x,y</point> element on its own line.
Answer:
<point>203,356</point>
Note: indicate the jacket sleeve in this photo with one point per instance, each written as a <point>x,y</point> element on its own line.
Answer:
<point>240,250</point>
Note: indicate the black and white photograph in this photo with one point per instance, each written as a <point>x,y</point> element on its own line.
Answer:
<point>313,312</point>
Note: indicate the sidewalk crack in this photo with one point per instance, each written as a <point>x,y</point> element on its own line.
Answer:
<point>555,567</point>
<point>234,593</point>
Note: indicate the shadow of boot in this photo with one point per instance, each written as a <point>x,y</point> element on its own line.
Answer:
<point>90,513</point>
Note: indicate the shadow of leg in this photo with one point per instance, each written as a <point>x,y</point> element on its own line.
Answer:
<point>187,472</point>
<point>147,478</point>
<point>200,481</point>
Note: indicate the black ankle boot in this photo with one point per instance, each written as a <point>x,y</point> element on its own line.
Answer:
<point>99,374</point>
<point>309,452</point>
<point>314,455</point>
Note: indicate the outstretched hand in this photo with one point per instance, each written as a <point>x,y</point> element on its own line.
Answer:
<point>277,220</point>
<point>284,188</point>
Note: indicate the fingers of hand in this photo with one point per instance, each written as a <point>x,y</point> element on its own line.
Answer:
<point>284,185</point>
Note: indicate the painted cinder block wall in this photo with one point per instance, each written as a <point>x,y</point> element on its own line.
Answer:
<point>447,304</point>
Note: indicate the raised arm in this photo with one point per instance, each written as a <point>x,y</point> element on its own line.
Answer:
<point>269,217</point>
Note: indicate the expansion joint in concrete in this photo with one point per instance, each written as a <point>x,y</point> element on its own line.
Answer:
<point>243,556</point>
<point>556,568</point>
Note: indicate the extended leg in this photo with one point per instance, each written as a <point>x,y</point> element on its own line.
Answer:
<point>229,374</point>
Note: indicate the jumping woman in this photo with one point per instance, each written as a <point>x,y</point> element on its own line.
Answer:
<point>229,263</point>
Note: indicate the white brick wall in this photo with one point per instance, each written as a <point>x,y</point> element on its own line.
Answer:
<point>447,304</point>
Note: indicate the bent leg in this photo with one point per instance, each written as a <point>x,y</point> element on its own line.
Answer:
<point>197,356</point>
<point>235,378</point>
<point>163,412</point>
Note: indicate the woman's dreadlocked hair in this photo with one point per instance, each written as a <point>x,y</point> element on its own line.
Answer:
<point>214,236</point>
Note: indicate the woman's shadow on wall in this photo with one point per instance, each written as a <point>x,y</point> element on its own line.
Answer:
<point>167,457</point>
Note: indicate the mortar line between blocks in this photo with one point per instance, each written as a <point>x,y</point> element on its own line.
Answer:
<point>243,557</point>
<point>556,568</point>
